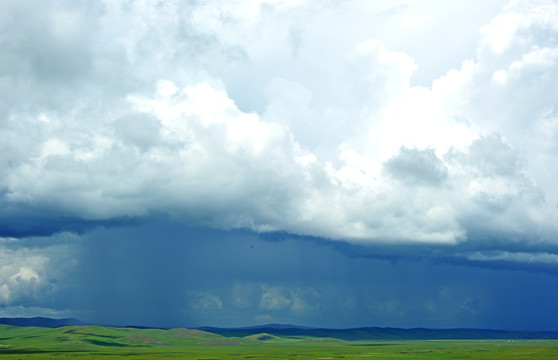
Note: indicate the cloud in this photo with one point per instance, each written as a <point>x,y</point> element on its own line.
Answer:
<point>33,311</point>
<point>298,300</point>
<point>166,274</point>
<point>275,298</point>
<point>336,154</point>
<point>519,257</point>
<point>33,273</point>
<point>300,120</point>
<point>205,301</point>
<point>265,318</point>
<point>245,295</point>
<point>417,166</point>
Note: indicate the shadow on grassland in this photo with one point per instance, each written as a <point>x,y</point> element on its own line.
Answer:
<point>105,343</point>
<point>36,351</point>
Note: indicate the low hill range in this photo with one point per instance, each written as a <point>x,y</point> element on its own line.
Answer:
<point>41,322</point>
<point>386,333</point>
<point>83,338</point>
<point>265,342</point>
<point>273,331</point>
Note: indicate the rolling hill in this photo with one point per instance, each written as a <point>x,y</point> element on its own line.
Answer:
<point>379,333</point>
<point>290,331</point>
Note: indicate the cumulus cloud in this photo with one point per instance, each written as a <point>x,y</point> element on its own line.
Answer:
<point>205,301</point>
<point>243,115</point>
<point>297,300</point>
<point>32,273</point>
<point>275,298</point>
<point>417,166</point>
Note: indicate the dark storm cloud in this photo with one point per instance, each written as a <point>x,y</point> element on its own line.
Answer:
<point>166,274</point>
<point>25,221</point>
<point>163,273</point>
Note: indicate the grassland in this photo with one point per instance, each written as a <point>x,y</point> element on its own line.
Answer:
<point>93,342</point>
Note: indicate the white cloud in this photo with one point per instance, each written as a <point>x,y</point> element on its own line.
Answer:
<point>32,311</point>
<point>34,269</point>
<point>417,166</point>
<point>5,293</point>
<point>275,298</point>
<point>500,33</point>
<point>21,275</point>
<point>298,300</point>
<point>204,301</point>
<point>263,318</point>
<point>521,257</point>
<point>25,274</point>
<point>241,114</point>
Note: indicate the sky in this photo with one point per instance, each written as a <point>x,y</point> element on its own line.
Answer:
<point>322,163</point>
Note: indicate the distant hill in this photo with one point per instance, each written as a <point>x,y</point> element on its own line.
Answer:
<point>269,326</point>
<point>67,339</point>
<point>119,342</point>
<point>41,322</point>
<point>377,333</point>
<point>293,331</point>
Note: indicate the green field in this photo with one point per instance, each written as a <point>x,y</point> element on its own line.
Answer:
<point>94,342</point>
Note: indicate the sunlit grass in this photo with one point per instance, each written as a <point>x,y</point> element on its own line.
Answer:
<point>92,342</point>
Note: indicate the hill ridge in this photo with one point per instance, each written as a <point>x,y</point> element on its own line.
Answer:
<point>294,331</point>
<point>40,321</point>
<point>385,333</point>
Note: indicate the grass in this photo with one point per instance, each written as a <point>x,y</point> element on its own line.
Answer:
<point>93,342</point>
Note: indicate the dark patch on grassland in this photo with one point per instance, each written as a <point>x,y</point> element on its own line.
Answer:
<point>144,339</point>
<point>105,343</point>
<point>36,351</point>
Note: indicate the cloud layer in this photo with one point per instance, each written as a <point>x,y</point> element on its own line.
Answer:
<point>411,125</point>
<point>98,127</point>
